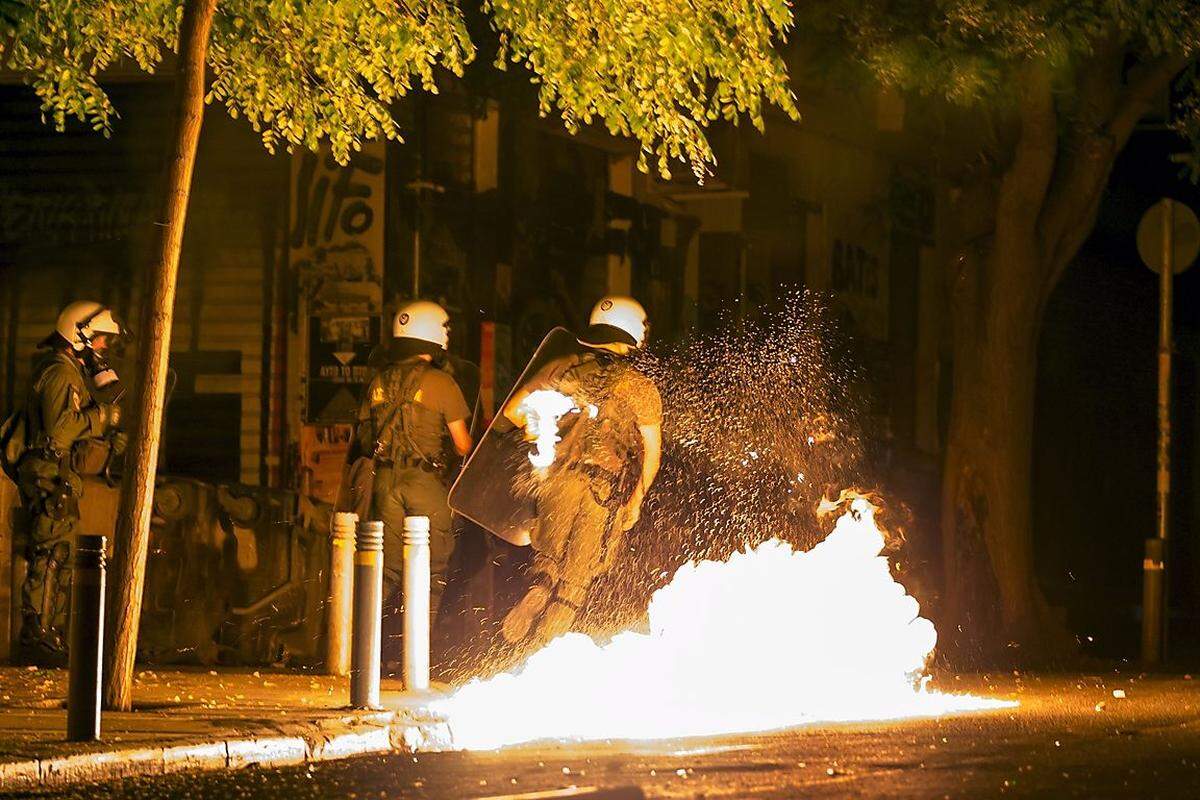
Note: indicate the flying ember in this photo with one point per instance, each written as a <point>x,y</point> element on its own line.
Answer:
<point>771,638</point>
<point>543,409</point>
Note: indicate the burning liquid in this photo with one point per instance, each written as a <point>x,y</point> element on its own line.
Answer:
<point>772,638</point>
<point>543,409</point>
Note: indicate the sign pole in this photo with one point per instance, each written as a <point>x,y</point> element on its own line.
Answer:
<point>1155,561</point>
<point>1168,240</point>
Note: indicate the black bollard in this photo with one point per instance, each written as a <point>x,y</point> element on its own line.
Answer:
<point>1153,597</point>
<point>368,609</point>
<point>86,637</point>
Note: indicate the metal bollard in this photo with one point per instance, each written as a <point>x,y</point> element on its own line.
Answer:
<point>416,603</point>
<point>368,611</point>
<point>86,639</point>
<point>340,601</point>
<point>1153,597</point>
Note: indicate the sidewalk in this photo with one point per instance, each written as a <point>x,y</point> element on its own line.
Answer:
<point>200,719</point>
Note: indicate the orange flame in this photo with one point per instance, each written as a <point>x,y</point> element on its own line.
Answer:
<point>771,638</point>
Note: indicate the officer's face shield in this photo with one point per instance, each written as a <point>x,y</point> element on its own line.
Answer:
<point>102,343</point>
<point>105,343</point>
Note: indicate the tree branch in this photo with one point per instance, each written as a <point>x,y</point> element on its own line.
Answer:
<point>1103,130</point>
<point>1023,187</point>
<point>1085,158</point>
<point>1144,85</point>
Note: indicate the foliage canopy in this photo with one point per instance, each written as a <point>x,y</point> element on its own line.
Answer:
<point>655,70</point>
<point>302,70</point>
<point>976,53</point>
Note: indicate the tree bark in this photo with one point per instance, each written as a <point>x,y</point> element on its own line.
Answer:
<point>137,489</point>
<point>986,500</point>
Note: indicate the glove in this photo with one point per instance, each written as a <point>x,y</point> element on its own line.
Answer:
<point>120,440</point>
<point>110,415</point>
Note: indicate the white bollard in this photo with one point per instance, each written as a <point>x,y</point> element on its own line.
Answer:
<point>340,601</point>
<point>416,604</point>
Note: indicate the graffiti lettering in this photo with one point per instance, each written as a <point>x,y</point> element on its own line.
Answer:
<point>327,193</point>
<point>78,216</point>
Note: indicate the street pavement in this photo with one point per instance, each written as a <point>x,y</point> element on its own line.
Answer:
<point>169,705</point>
<point>1072,736</point>
<point>197,719</point>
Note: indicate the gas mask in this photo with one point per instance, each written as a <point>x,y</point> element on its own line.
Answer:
<point>100,369</point>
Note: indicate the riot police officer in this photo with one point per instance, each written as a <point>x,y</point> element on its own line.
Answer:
<point>608,457</point>
<point>409,407</point>
<point>71,431</point>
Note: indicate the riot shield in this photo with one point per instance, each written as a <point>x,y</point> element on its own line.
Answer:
<point>485,490</point>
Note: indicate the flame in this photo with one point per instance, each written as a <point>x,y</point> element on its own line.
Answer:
<point>543,409</point>
<point>772,638</point>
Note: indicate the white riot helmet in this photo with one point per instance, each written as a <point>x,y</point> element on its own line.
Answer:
<point>623,313</point>
<point>424,321</point>
<point>82,320</point>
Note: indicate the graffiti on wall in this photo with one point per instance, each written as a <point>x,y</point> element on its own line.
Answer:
<point>79,215</point>
<point>336,232</point>
<point>336,249</point>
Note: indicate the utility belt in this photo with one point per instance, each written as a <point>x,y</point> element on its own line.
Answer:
<point>595,471</point>
<point>608,488</point>
<point>410,462</point>
<point>44,449</point>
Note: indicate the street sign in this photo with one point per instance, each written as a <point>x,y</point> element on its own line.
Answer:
<point>1186,235</point>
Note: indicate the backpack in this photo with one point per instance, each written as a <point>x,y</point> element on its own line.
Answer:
<point>14,435</point>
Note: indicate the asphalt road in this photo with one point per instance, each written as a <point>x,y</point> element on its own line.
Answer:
<point>1071,737</point>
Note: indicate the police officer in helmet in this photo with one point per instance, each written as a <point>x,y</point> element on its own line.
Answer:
<point>409,407</point>
<point>72,430</point>
<point>608,457</point>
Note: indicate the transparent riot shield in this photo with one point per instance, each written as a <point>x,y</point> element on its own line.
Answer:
<point>485,490</point>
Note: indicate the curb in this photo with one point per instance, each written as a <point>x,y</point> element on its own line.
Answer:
<point>409,729</point>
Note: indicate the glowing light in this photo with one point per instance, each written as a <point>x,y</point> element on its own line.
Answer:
<point>543,409</point>
<point>772,638</point>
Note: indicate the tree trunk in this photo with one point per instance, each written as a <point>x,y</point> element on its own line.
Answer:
<point>1041,209</point>
<point>993,600</point>
<point>137,488</point>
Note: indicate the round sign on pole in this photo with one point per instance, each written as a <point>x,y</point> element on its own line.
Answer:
<point>1186,236</point>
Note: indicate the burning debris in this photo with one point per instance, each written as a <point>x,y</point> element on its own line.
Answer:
<point>771,638</point>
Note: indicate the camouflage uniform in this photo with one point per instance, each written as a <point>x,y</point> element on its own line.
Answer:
<point>404,415</point>
<point>61,412</point>
<point>578,533</point>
